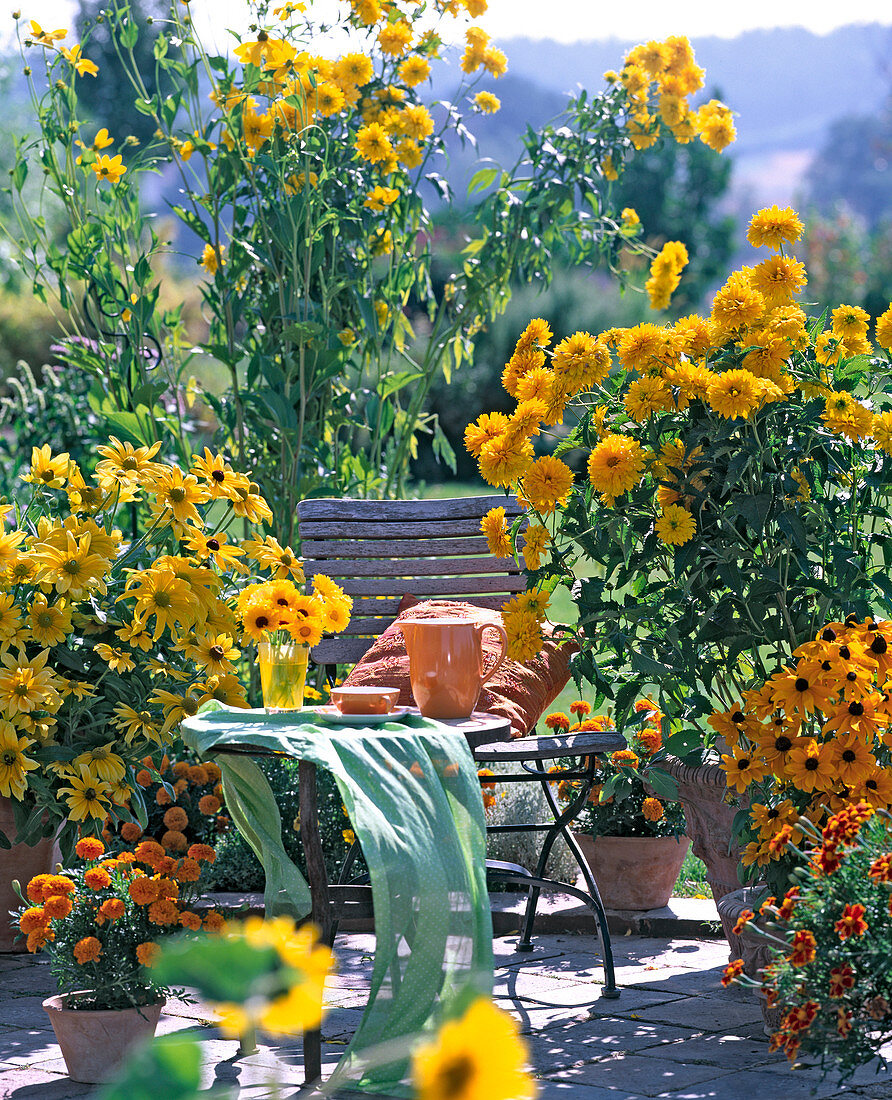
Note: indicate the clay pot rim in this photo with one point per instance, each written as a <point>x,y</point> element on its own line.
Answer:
<point>619,836</point>
<point>57,1003</point>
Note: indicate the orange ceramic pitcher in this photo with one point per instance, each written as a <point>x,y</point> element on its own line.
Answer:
<point>446,664</point>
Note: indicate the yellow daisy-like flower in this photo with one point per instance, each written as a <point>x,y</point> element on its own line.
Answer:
<point>547,483</point>
<point>524,634</point>
<point>180,494</point>
<point>102,762</point>
<point>882,431</point>
<point>373,143</point>
<point>884,329</point>
<point>116,659</point>
<point>733,394</point>
<point>778,279</point>
<point>282,562</point>
<point>47,469</point>
<point>647,396</point>
<point>414,70</point>
<point>487,103</point>
<point>676,525</point>
<point>127,465</point>
<point>160,593</point>
<point>504,459</point>
<point>50,624</point>
<point>215,653</point>
<point>86,796</point>
<point>212,258</point>
<point>849,321</point>
<point>479,1055</point>
<point>109,168</point>
<point>616,465</point>
<point>774,227</point>
<point>379,198</point>
<point>14,764</point>
<point>496,530</point>
<point>536,538</point>
<point>737,305</point>
<point>580,362</point>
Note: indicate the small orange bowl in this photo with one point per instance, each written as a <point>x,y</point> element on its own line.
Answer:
<point>365,700</point>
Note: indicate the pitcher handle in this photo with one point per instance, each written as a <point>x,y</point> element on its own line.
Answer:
<point>480,627</point>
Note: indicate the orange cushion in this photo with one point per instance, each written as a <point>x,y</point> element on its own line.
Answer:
<point>519,691</point>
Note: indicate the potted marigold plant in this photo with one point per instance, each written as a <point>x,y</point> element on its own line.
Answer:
<point>826,980</point>
<point>717,491</point>
<point>100,921</point>
<point>109,639</point>
<point>629,836</point>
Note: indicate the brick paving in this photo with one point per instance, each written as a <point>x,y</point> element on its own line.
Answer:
<point>675,1032</point>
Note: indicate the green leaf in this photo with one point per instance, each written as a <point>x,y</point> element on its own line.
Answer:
<point>220,969</point>
<point>169,1066</point>
<point>754,510</point>
<point>482,178</point>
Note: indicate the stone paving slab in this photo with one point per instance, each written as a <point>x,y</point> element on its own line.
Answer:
<point>674,1032</point>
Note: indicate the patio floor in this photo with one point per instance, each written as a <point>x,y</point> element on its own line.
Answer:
<point>675,1032</point>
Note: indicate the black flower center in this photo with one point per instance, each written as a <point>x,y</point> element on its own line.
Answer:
<point>738,717</point>
<point>218,475</point>
<point>878,645</point>
<point>217,652</point>
<point>801,684</point>
<point>851,677</point>
<point>849,756</point>
<point>856,708</point>
<point>213,544</point>
<point>811,763</point>
<point>783,743</point>
<point>829,635</point>
<point>845,652</point>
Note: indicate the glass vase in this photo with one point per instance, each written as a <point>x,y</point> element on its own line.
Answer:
<point>283,674</point>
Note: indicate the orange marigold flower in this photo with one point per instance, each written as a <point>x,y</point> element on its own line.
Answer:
<point>209,804</point>
<point>144,890</point>
<point>732,970</point>
<point>33,920</point>
<point>484,772</point>
<point>852,922</point>
<point>580,708</point>
<point>214,921</point>
<point>59,884</point>
<point>87,950</point>
<point>202,852</point>
<point>163,912</point>
<point>97,878</point>
<point>624,758</point>
<point>149,851</point>
<point>89,847</point>
<point>131,831</point>
<point>147,953</point>
<point>785,910</point>
<point>167,888</point>
<point>57,906</point>
<point>881,868</point>
<point>176,818</point>
<point>649,740</point>
<point>803,946</point>
<point>198,775</point>
<point>144,778</point>
<point>36,889</point>
<point>112,909</point>
<point>192,921</point>
<point>180,768</point>
<point>557,721</point>
<point>652,808</point>
<point>187,870</point>
<point>800,1018</point>
<point>745,917</point>
<point>174,840</point>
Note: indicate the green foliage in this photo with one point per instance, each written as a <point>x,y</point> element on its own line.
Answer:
<point>849,260</point>
<point>170,1066</point>
<point>236,868</point>
<point>28,330</point>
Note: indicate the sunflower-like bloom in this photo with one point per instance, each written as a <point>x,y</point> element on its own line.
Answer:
<point>14,764</point>
<point>737,305</point>
<point>86,796</point>
<point>495,529</point>
<point>547,483</point>
<point>741,769</point>
<point>126,465</point>
<point>49,470</point>
<point>179,494</point>
<point>580,362</point>
<point>779,279</point>
<point>774,227</point>
<point>73,568</point>
<point>159,593</point>
<point>676,526</point>
<point>647,396</point>
<point>615,465</point>
<point>505,459</point>
<point>735,393</point>
<point>27,685</point>
<point>536,538</point>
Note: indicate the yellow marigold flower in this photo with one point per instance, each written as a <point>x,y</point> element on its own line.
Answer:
<point>212,258</point>
<point>616,465</point>
<point>547,483</point>
<point>328,99</point>
<point>884,329</point>
<point>850,321</point>
<point>504,459</point>
<point>537,334</point>
<point>629,218</point>
<point>773,227</point>
<point>395,38</point>
<point>373,144</point>
<point>494,61</point>
<point>715,125</point>
<point>526,420</point>
<point>882,431</point>
<point>644,346</point>
<point>647,396</point>
<point>675,526</point>
<point>483,1050</point>
<point>829,349</point>
<point>109,168</point>
<point>366,11</point>
<point>414,70</point>
<point>652,809</point>
<point>521,363</point>
<point>415,122</point>
<point>493,525</point>
<point>580,362</point>
<point>409,153</point>
<point>486,427</point>
<point>487,102</point>
<point>524,634</point>
<point>536,538</point>
<point>778,279</point>
<point>379,198</point>
<point>732,394</point>
<point>738,304</point>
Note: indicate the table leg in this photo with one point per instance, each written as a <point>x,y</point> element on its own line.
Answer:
<point>321,907</point>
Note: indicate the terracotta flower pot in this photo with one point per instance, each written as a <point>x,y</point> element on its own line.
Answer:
<point>748,945</point>
<point>22,862</point>
<point>702,792</point>
<point>634,872</point>
<point>95,1042</point>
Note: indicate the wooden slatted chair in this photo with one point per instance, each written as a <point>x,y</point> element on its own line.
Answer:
<point>380,550</point>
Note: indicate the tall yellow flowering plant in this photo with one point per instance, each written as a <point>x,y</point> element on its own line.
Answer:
<point>718,490</point>
<point>305,182</point>
<point>108,638</point>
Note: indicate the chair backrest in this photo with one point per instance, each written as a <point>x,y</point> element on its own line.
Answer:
<point>379,551</point>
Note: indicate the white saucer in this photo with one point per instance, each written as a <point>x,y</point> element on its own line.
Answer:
<point>332,714</point>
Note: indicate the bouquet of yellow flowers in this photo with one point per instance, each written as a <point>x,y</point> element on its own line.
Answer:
<point>101,920</point>
<point>716,488</point>
<point>107,638</point>
<point>809,742</point>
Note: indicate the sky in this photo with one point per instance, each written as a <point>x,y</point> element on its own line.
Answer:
<point>581,20</point>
